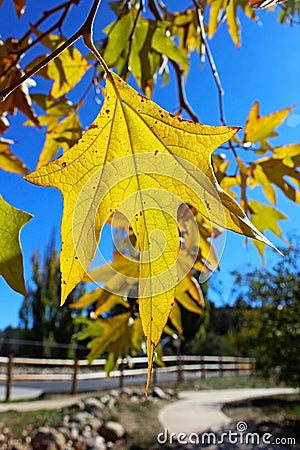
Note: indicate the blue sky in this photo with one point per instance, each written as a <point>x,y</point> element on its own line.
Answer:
<point>265,68</point>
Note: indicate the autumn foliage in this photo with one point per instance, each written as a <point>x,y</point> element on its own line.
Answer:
<point>138,167</point>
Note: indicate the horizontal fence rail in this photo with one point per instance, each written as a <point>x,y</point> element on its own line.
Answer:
<point>18,369</point>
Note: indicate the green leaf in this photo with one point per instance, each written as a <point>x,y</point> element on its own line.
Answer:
<point>290,12</point>
<point>12,221</point>
<point>151,41</point>
<point>143,61</point>
<point>162,42</point>
<point>118,36</point>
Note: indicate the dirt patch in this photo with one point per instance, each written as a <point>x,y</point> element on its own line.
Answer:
<point>140,421</point>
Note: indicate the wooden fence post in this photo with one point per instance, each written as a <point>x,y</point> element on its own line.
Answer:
<point>121,378</point>
<point>179,368</point>
<point>221,366</point>
<point>253,366</point>
<point>202,362</point>
<point>74,380</point>
<point>237,366</point>
<point>9,377</point>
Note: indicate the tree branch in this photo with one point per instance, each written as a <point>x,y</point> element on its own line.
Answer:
<point>211,61</point>
<point>53,27</point>
<point>87,34</point>
<point>154,9</point>
<point>46,15</point>
<point>50,12</point>
<point>181,92</point>
<point>85,31</point>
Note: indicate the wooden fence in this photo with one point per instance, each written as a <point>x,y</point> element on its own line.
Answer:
<point>17,369</point>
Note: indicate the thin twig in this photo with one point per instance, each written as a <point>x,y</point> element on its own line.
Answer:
<point>53,27</point>
<point>181,92</point>
<point>49,13</point>
<point>89,86</point>
<point>46,15</point>
<point>87,34</point>
<point>211,61</point>
<point>6,92</point>
<point>154,9</point>
<point>85,31</point>
<point>289,17</point>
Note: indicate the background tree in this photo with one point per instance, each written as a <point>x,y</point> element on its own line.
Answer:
<point>222,324</point>
<point>271,319</point>
<point>40,318</point>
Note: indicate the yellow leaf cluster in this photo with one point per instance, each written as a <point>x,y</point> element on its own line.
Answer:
<point>224,9</point>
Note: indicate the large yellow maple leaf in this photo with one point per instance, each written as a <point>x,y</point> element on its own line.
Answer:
<point>142,161</point>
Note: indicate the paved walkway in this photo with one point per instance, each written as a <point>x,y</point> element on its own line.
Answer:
<point>197,411</point>
<point>20,393</point>
<point>54,403</point>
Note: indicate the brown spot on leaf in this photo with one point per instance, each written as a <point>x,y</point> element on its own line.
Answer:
<point>207,204</point>
<point>107,111</point>
<point>155,153</point>
<point>63,164</point>
<point>92,126</point>
<point>142,97</point>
